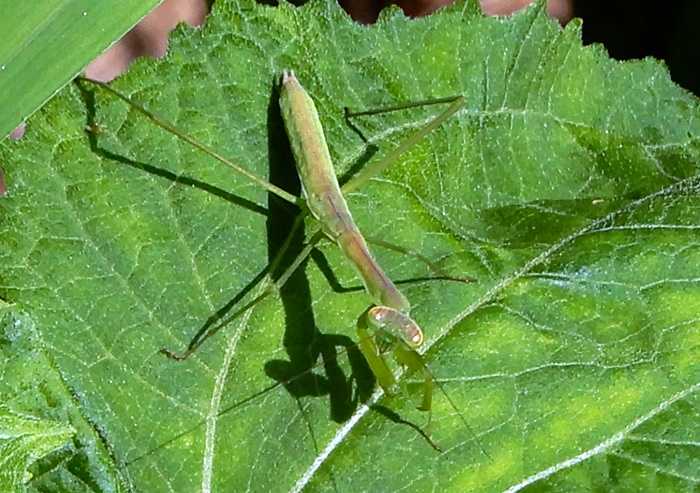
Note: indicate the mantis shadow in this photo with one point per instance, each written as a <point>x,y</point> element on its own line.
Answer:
<point>302,340</point>
<point>304,343</point>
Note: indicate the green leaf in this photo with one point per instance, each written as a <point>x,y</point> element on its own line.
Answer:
<point>45,44</point>
<point>568,186</point>
<point>25,439</point>
<point>45,443</point>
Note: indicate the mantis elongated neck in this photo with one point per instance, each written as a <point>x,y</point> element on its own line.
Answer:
<point>322,192</point>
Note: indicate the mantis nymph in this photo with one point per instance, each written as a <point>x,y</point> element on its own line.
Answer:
<point>389,317</point>
<point>387,323</point>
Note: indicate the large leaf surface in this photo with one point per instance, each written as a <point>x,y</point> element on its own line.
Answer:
<point>568,185</point>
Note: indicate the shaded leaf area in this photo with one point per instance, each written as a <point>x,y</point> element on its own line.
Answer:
<point>46,444</point>
<point>25,440</point>
<point>568,186</point>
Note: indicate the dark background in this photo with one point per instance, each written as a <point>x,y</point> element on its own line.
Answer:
<point>627,28</point>
<point>632,29</point>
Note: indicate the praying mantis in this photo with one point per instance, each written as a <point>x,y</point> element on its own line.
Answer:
<point>386,326</point>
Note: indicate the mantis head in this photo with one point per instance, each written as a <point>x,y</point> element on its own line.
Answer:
<point>397,324</point>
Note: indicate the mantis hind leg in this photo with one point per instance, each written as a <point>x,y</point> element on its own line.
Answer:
<point>438,273</point>
<point>377,167</point>
<point>403,355</point>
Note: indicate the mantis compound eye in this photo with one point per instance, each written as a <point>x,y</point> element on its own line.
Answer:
<point>397,324</point>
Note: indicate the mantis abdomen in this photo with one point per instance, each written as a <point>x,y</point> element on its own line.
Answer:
<point>323,196</point>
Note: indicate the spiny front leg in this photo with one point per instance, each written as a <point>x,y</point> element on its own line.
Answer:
<point>375,358</point>
<point>404,335</point>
